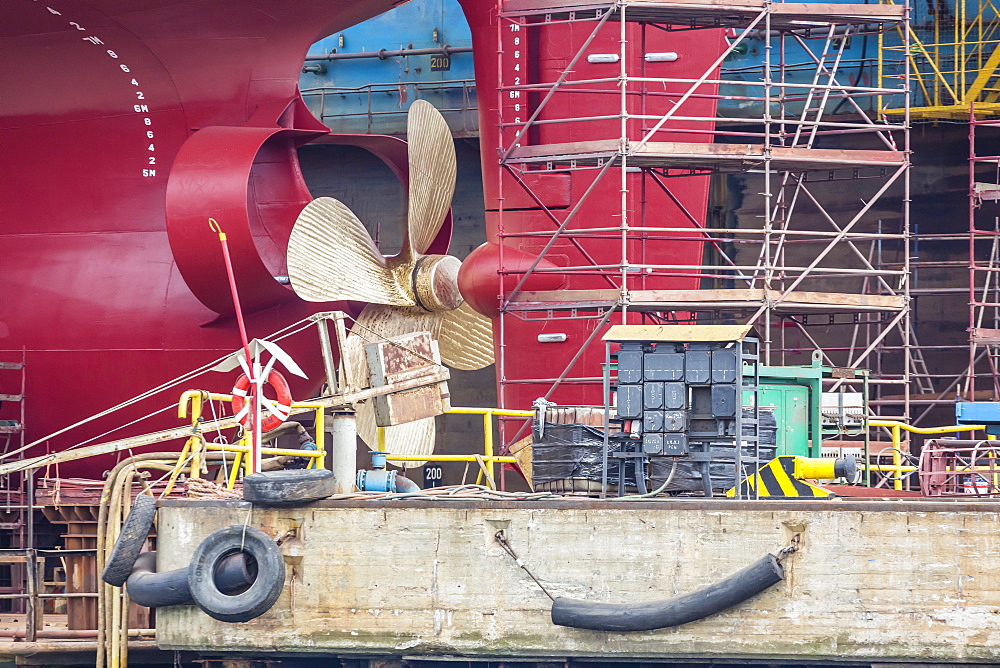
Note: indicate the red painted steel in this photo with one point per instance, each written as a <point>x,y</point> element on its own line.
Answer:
<point>101,287</point>
<point>125,125</point>
<point>539,55</point>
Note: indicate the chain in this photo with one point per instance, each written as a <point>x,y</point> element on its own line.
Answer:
<point>793,546</point>
<point>501,538</point>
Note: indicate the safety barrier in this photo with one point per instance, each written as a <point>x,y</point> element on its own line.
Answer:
<point>895,429</point>
<point>486,461</point>
<point>197,444</point>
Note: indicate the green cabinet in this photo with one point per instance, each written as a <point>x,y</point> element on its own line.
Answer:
<point>791,411</point>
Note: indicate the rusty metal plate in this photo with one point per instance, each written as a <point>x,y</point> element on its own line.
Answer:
<point>379,323</point>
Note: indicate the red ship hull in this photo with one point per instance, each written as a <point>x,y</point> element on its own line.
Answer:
<point>99,99</point>
<point>126,125</point>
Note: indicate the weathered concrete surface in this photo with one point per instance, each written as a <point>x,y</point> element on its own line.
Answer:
<point>916,581</point>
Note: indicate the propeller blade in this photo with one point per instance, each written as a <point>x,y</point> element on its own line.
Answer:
<point>466,339</point>
<point>331,258</point>
<point>431,155</point>
<point>377,323</point>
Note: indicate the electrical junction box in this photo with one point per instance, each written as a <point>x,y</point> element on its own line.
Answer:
<point>652,421</point>
<point>661,366</point>
<point>630,401</point>
<point>842,410</point>
<point>675,445</point>
<point>652,444</point>
<point>674,421</point>
<point>674,396</point>
<point>723,401</point>
<point>652,396</point>
<point>697,367</point>
<point>630,364</point>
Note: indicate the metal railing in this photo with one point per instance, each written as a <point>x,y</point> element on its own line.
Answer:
<point>487,461</point>
<point>196,445</point>
<point>462,118</point>
<point>190,457</point>
<point>896,430</point>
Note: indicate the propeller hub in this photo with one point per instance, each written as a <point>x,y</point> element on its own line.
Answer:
<point>435,282</point>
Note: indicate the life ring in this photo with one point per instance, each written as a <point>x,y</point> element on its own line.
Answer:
<point>283,403</point>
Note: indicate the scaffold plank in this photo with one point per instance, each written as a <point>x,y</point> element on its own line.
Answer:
<point>692,155</point>
<point>795,301</point>
<point>982,335</point>
<point>784,15</point>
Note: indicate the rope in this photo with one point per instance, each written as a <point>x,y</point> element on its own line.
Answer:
<point>290,330</point>
<point>501,539</point>
<point>219,438</point>
<point>206,489</point>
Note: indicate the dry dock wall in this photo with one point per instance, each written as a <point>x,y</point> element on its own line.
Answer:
<point>897,581</point>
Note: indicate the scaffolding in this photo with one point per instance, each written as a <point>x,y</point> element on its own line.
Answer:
<point>953,54</point>
<point>982,379</point>
<point>806,274</point>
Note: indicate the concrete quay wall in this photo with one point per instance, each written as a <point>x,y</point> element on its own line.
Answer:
<point>873,580</point>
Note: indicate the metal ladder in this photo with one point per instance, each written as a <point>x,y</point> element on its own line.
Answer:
<point>15,515</point>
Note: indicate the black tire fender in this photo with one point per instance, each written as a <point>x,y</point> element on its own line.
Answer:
<point>717,597</point>
<point>259,597</point>
<point>289,487</point>
<point>130,541</point>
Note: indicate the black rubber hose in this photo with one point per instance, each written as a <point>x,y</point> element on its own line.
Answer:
<point>147,587</point>
<point>640,476</point>
<point>706,478</point>
<point>156,590</point>
<point>724,594</point>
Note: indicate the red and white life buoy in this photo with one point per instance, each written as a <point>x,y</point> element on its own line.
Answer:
<point>282,405</point>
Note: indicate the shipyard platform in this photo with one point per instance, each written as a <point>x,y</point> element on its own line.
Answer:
<point>870,582</point>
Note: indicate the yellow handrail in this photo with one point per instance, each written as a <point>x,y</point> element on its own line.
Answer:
<point>191,404</point>
<point>197,442</point>
<point>896,430</point>
<point>486,461</point>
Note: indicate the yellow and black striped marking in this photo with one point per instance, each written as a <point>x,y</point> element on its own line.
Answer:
<point>776,480</point>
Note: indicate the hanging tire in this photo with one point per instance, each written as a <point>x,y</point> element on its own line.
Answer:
<point>130,541</point>
<point>256,599</point>
<point>289,487</point>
